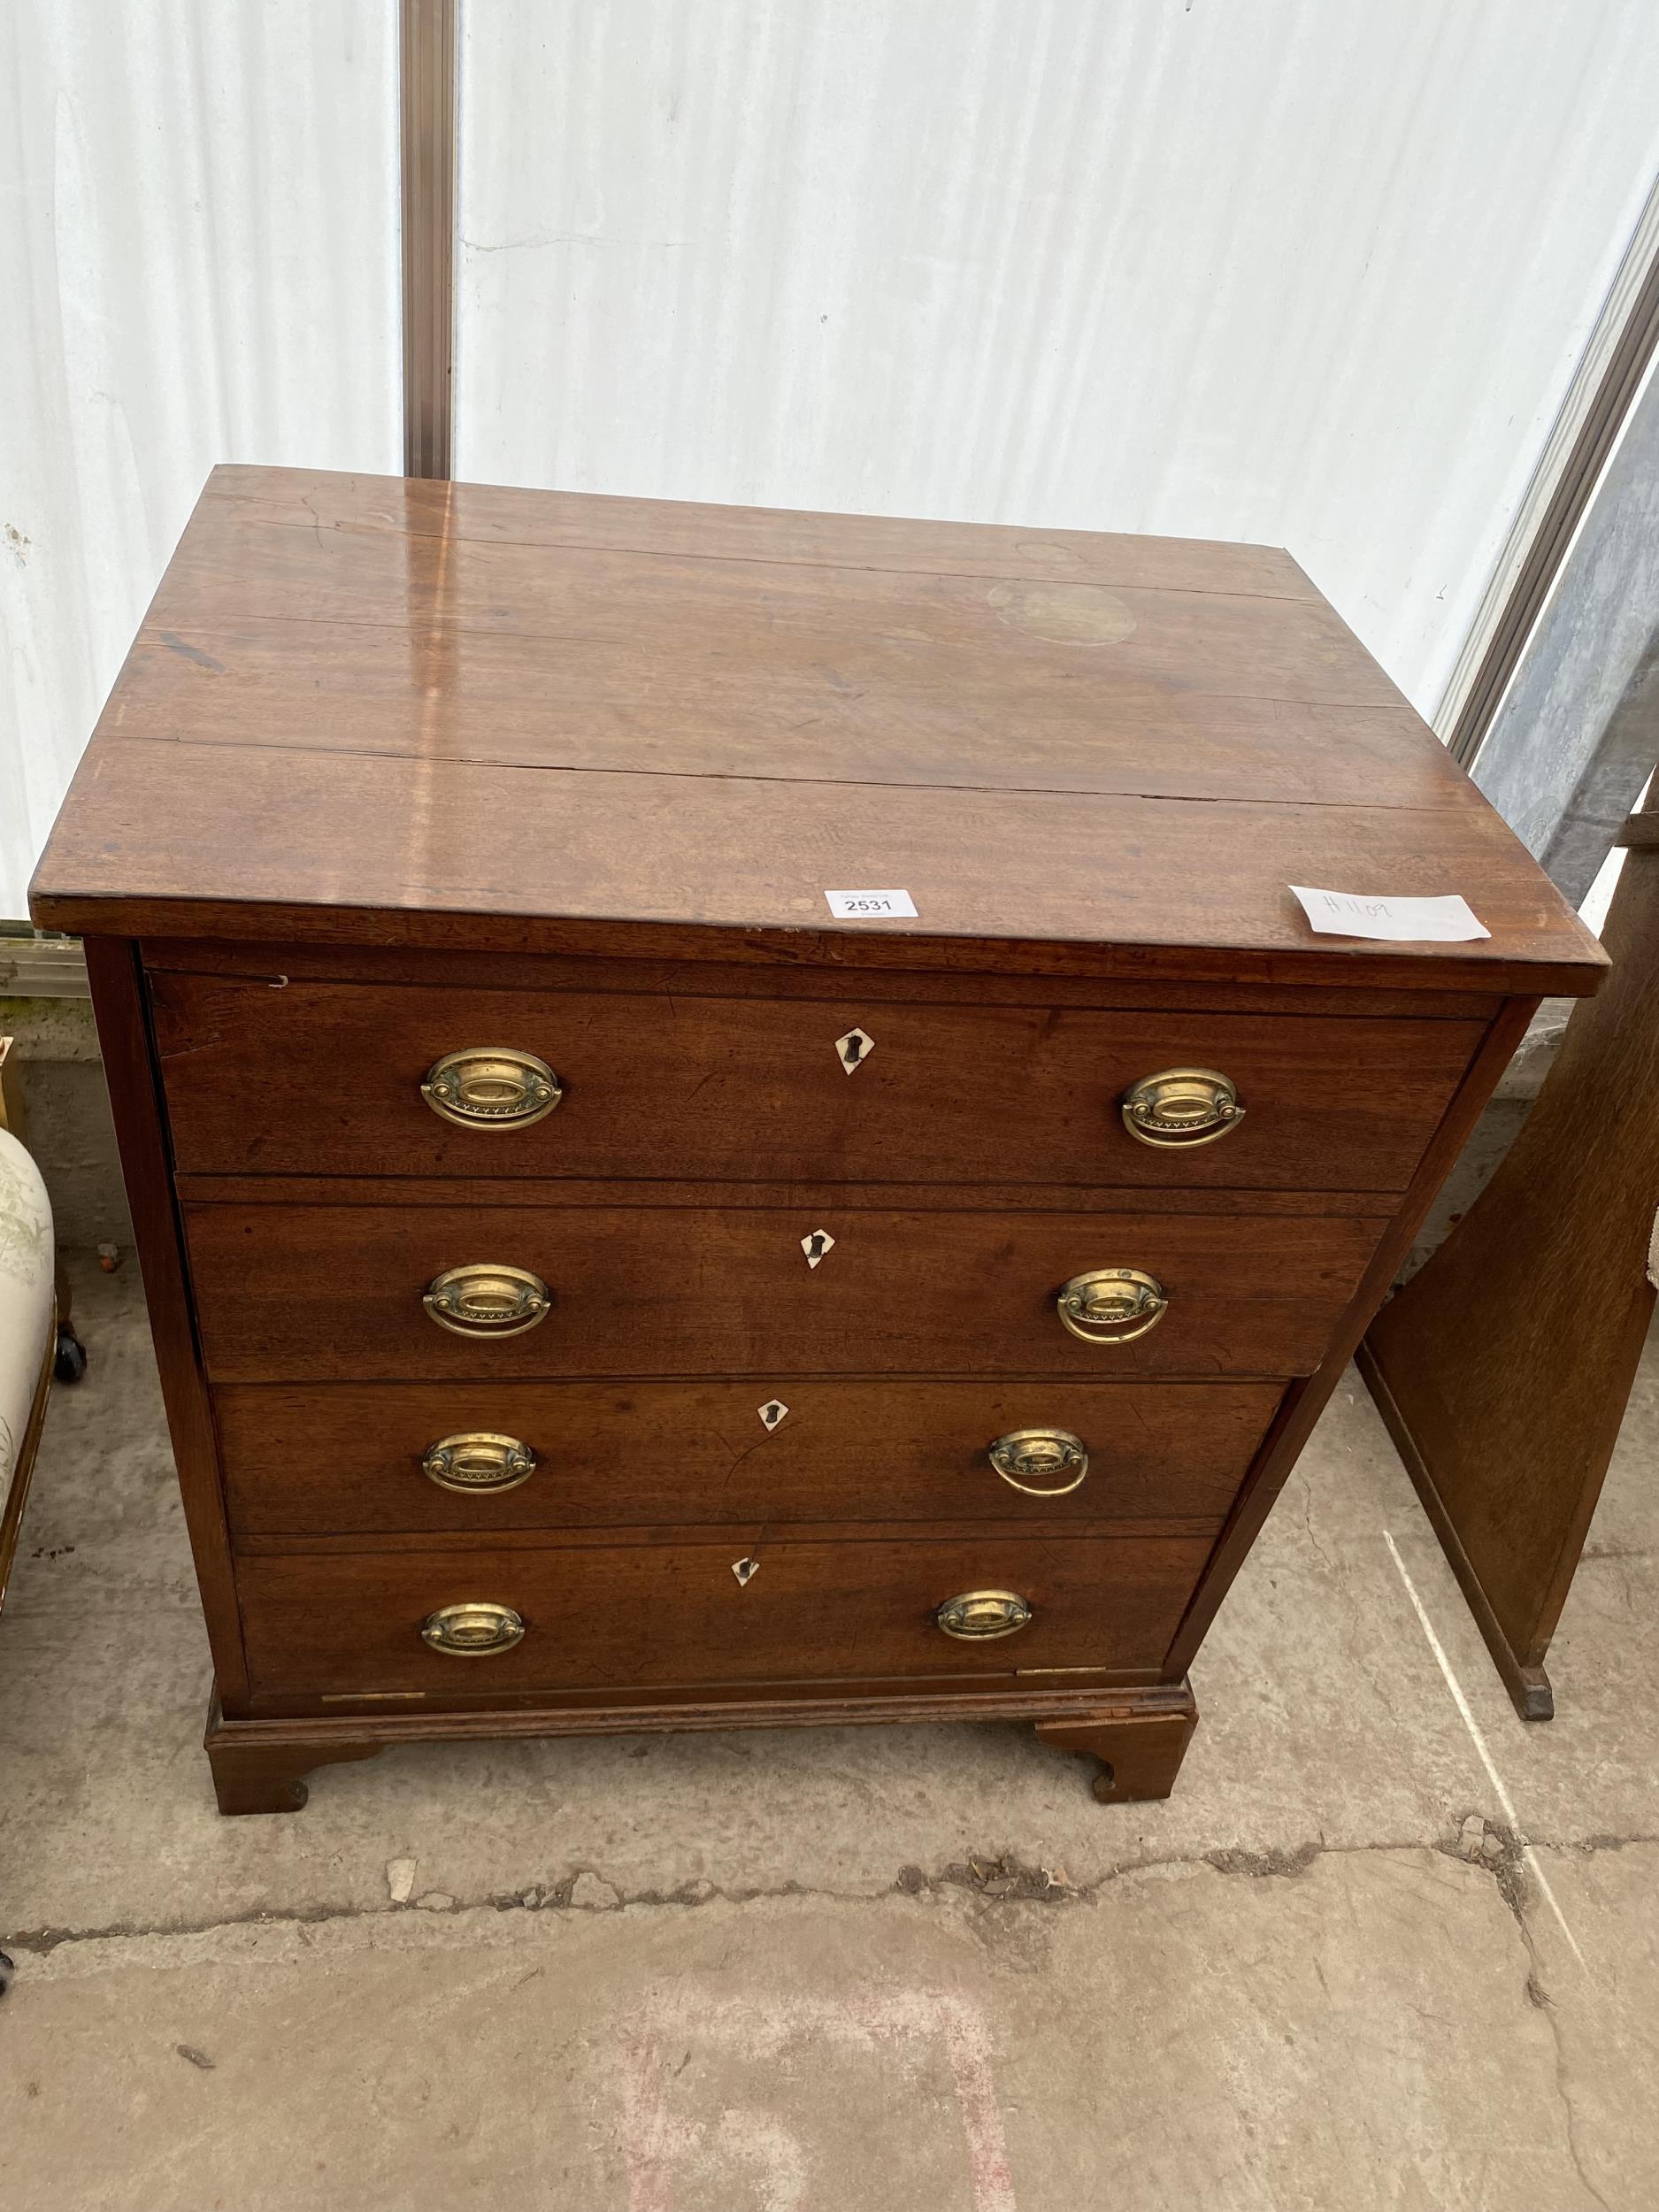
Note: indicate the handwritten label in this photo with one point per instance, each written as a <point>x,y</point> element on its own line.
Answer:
<point>1443,921</point>
<point>870,906</point>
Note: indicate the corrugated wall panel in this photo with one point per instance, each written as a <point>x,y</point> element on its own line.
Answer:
<point>1315,274</point>
<point>198,262</point>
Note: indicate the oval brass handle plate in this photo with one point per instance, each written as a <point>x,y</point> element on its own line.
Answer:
<point>1042,1463</point>
<point>477,1460</point>
<point>1112,1305</point>
<point>473,1631</point>
<point>979,1614</point>
<point>480,1300</point>
<point>1182,1107</point>
<point>491,1087</point>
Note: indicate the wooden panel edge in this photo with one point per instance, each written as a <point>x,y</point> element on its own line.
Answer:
<point>1303,1404</point>
<point>999,1528</point>
<point>84,913</point>
<point>435,965</point>
<point>830,1706</point>
<point>123,1038</point>
<point>739,1194</point>
<point>1523,1678</point>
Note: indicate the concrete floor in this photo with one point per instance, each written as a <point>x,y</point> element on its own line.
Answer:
<point>776,1973</point>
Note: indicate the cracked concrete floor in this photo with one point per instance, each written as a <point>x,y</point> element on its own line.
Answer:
<point>910,1968</point>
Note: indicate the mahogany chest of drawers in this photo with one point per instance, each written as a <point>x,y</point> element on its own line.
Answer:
<point>604,1280</point>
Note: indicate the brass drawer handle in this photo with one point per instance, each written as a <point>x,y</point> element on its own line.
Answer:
<point>491,1087</point>
<point>978,1614</point>
<point>1112,1305</point>
<point>1025,1455</point>
<point>483,1300</point>
<point>473,1631</point>
<point>478,1460</point>
<point>1182,1107</point>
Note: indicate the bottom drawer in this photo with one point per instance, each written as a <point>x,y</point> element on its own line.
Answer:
<point>612,1617</point>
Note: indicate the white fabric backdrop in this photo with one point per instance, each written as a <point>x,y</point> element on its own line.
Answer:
<point>1313,272</point>
<point>1317,274</point>
<point>198,262</point>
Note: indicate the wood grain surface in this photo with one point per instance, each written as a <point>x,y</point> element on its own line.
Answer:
<point>620,621</point>
<point>811,975</point>
<point>675,1613</point>
<point>796,700</point>
<point>324,1078</point>
<point>352,709</point>
<point>358,848</point>
<point>339,1458</point>
<point>323,500</point>
<point>1505,1366</point>
<point>333,1293</point>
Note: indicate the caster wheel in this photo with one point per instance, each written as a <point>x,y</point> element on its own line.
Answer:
<point>69,1362</point>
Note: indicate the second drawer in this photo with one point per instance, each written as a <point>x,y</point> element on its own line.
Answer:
<point>290,1294</point>
<point>342,1458</point>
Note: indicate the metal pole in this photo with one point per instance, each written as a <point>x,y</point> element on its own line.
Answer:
<point>427,159</point>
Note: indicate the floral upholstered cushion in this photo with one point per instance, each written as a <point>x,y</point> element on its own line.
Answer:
<point>26,1298</point>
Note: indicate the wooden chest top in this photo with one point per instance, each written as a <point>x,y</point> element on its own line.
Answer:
<point>366,711</point>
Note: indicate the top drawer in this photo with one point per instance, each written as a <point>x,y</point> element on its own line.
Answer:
<point>311,1078</point>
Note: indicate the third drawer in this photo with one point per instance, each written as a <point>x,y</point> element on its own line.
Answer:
<point>469,1457</point>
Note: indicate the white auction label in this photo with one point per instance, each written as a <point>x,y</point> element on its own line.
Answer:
<point>1442,921</point>
<point>870,906</point>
